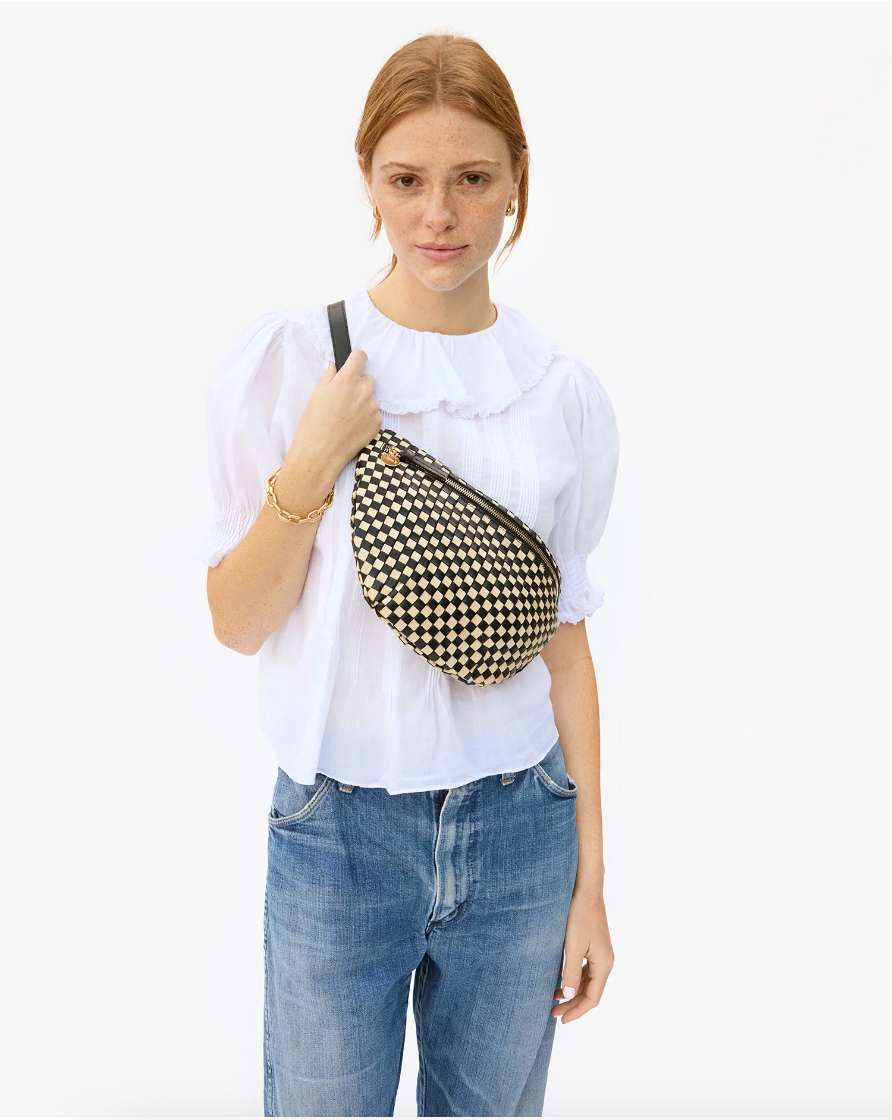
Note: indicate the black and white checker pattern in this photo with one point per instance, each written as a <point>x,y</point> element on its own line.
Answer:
<point>454,583</point>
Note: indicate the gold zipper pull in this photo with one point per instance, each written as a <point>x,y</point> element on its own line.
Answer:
<point>391,456</point>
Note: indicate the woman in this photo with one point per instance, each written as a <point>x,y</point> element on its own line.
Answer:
<point>417,824</point>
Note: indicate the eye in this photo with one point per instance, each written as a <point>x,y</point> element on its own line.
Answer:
<point>400,179</point>
<point>475,175</point>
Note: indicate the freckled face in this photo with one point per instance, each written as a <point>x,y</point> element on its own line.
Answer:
<point>440,176</point>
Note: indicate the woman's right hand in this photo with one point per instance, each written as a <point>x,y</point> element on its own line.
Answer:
<point>259,582</point>
<point>340,418</point>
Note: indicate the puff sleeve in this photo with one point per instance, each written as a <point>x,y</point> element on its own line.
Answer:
<point>242,396</point>
<point>582,506</point>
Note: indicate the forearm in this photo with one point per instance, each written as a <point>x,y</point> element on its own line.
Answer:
<point>574,699</point>
<point>259,582</point>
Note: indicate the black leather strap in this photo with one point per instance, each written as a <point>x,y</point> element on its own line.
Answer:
<point>340,336</point>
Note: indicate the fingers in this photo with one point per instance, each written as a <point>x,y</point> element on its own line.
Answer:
<point>574,1009</point>
<point>352,368</point>
<point>573,1006</point>
<point>354,364</point>
<point>588,994</point>
<point>572,974</point>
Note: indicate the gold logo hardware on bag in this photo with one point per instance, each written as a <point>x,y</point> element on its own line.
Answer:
<point>459,578</point>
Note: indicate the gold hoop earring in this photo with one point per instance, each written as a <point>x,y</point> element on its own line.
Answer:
<point>511,208</point>
<point>377,215</point>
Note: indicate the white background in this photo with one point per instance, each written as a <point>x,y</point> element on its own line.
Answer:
<point>709,220</point>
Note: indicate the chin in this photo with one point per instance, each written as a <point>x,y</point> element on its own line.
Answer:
<point>441,284</point>
<point>443,278</point>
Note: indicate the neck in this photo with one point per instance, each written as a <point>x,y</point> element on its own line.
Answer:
<point>465,309</point>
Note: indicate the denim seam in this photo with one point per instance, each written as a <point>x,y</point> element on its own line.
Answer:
<point>422,1057</point>
<point>551,784</point>
<point>451,917</point>
<point>293,818</point>
<point>473,883</point>
<point>399,1070</point>
<point>269,1071</point>
<point>437,860</point>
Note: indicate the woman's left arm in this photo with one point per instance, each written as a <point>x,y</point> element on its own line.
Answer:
<point>574,699</point>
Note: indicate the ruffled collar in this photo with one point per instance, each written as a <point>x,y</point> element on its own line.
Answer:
<point>470,374</point>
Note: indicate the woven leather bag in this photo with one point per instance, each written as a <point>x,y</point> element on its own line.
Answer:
<point>460,578</point>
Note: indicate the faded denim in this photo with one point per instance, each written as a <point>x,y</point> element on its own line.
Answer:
<point>470,888</point>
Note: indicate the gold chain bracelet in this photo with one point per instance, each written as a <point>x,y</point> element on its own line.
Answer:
<point>313,515</point>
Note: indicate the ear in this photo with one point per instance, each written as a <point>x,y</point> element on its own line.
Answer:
<point>524,160</point>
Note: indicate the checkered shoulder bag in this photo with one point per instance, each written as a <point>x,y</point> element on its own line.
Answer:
<point>459,577</point>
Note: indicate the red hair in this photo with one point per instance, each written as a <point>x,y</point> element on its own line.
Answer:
<point>448,70</point>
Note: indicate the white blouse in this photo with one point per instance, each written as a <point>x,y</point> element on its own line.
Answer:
<point>507,410</point>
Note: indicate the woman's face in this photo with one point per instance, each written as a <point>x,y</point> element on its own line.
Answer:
<point>441,176</point>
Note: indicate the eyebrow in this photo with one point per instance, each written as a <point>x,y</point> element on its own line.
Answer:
<point>458,167</point>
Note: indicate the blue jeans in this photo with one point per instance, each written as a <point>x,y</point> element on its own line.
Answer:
<point>470,888</point>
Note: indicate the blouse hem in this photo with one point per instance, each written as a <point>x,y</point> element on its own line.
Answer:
<point>535,755</point>
<point>579,596</point>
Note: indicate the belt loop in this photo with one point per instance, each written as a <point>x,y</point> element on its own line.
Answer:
<point>508,778</point>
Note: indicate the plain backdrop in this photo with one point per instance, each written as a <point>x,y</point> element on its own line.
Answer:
<point>709,226</point>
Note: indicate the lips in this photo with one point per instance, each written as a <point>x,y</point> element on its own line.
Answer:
<point>435,252</point>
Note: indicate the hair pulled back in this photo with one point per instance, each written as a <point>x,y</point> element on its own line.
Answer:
<point>449,70</point>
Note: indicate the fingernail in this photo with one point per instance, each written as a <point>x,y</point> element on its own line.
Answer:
<point>569,993</point>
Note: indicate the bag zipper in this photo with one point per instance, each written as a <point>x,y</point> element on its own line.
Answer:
<point>395,455</point>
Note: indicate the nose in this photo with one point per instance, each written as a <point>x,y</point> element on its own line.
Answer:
<point>439,212</point>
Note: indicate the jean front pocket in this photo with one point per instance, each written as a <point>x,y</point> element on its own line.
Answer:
<point>552,773</point>
<point>295,801</point>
